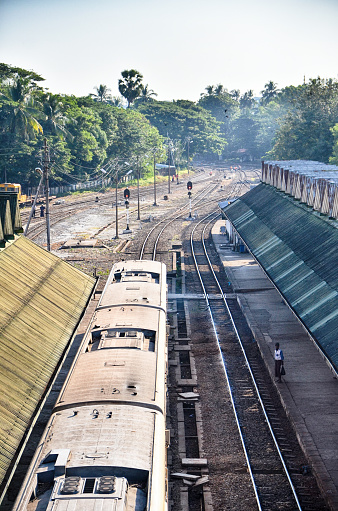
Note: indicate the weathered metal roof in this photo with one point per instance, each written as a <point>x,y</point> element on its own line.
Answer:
<point>311,182</point>
<point>41,301</point>
<point>10,220</point>
<point>297,248</point>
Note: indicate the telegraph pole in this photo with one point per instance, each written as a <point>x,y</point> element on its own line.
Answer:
<point>46,179</point>
<point>116,206</point>
<point>188,139</point>
<point>155,177</point>
<point>138,189</point>
<point>168,166</point>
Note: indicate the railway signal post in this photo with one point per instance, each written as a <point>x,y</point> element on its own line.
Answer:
<point>126,194</point>
<point>189,186</point>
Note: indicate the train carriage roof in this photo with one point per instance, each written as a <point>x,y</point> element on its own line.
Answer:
<point>123,437</point>
<point>127,317</point>
<point>124,375</point>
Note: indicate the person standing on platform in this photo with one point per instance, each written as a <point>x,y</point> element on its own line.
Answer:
<point>279,361</point>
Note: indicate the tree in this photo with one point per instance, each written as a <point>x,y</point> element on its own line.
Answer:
<point>269,93</point>
<point>117,101</point>
<point>242,136</point>
<point>55,123</point>
<point>305,132</point>
<point>235,94</point>
<point>102,93</point>
<point>181,119</point>
<point>19,109</point>
<point>334,157</point>
<point>221,105</point>
<point>146,95</point>
<point>9,72</point>
<point>135,138</point>
<point>130,86</point>
<point>247,100</point>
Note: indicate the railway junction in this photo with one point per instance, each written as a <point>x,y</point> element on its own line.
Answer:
<point>207,467</point>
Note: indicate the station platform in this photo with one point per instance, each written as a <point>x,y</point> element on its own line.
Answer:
<point>309,389</point>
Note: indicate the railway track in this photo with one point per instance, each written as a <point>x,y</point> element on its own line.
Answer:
<point>267,471</point>
<point>201,200</point>
<point>271,454</point>
<point>68,210</point>
<point>152,239</point>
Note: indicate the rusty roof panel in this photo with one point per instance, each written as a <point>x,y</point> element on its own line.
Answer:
<point>298,250</point>
<point>41,301</point>
<point>10,219</point>
<point>5,218</point>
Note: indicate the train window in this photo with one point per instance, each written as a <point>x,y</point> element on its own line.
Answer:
<point>155,277</point>
<point>89,485</point>
<point>117,277</point>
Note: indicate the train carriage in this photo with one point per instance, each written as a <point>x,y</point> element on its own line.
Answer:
<point>104,447</point>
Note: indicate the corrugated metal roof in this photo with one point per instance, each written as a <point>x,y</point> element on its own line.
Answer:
<point>41,301</point>
<point>298,250</point>
<point>10,220</point>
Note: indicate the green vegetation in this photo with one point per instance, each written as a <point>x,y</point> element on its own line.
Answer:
<point>292,123</point>
<point>98,131</point>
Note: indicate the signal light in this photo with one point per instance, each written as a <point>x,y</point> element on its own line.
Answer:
<point>189,185</point>
<point>126,193</point>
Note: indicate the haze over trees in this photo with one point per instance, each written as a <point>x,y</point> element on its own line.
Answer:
<point>87,133</point>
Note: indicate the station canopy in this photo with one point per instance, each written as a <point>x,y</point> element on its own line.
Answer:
<point>41,301</point>
<point>297,248</point>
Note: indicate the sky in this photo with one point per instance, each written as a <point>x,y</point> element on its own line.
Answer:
<point>179,46</point>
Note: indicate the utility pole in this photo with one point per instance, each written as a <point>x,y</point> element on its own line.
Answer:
<point>34,202</point>
<point>117,211</point>
<point>155,177</point>
<point>188,139</point>
<point>168,166</point>
<point>46,179</point>
<point>138,189</point>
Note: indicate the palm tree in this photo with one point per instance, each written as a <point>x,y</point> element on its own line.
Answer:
<point>56,120</point>
<point>117,101</point>
<point>247,100</point>
<point>219,89</point>
<point>210,89</point>
<point>146,95</point>
<point>235,94</point>
<point>270,92</point>
<point>21,107</point>
<point>130,86</point>
<point>102,93</point>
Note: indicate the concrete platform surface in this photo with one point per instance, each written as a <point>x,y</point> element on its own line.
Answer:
<point>309,391</point>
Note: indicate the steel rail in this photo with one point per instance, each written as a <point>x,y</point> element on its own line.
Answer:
<point>203,193</point>
<point>249,368</point>
<point>224,298</point>
<point>206,296</point>
<point>175,216</point>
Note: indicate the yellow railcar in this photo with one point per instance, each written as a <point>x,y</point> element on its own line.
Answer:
<point>15,188</point>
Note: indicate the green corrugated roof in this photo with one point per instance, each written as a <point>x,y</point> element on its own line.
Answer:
<point>298,249</point>
<point>41,301</point>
